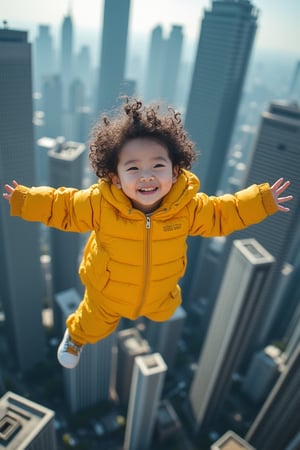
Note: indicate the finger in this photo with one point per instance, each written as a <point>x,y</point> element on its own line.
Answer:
<point>283,208</point>
<point>277,183</point>
<point>9,188</point>
<point>285,199</point>
<point>282,188</point>
<point>15,183</point>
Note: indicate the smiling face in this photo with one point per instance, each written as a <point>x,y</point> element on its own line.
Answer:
<point>145,173</point>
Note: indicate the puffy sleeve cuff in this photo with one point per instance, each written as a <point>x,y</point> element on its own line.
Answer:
<point>268,200</point>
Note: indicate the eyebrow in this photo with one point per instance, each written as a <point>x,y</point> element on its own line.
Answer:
<point>135,161</point>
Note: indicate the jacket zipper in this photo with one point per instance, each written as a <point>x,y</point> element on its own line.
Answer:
<point>147,262</point>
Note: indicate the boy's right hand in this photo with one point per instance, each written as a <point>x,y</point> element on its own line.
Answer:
<point>9,190</point>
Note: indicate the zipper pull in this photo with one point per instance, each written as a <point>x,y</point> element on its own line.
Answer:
<point>148,223</point>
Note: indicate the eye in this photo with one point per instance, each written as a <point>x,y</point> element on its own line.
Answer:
<point>158,165</point>
<point>132,168</point>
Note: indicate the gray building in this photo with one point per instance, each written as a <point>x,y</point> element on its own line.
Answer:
<point>130,345</point>
<point>66,57</point>
<point>163,337</point>
<point>43,55</point>
<point>231,329</point>
<point>155,65</point>
<point>277,423</point>
<point>25,425</point>
<point>172,64</point>
<point>113,54</point>
<point>89,382</point>
<point>276,153</point>
<point>226,39</point>
<point>20,274</point>
<point>66,163</point>
<point>147,382</point>
<point>52,105</point>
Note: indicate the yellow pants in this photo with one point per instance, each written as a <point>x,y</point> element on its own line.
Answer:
<point>90,322</point>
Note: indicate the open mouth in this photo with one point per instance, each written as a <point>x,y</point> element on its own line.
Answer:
<point>147,190</point>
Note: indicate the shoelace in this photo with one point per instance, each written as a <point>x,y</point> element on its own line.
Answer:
<point>69,343</point>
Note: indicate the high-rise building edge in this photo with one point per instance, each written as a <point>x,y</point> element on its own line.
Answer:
<point>113,54</point>
<point>277,423</point>
<point>89,383</point>
<point>20,275</point>
<point>147,381</point>
<point>231,330</point>
<point>25,425</point>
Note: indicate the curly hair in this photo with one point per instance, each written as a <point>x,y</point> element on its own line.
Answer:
<point>133,120</point>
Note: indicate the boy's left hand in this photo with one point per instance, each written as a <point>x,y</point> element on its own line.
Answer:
<point>277,189</point>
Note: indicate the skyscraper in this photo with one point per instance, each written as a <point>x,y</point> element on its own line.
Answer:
<point>20,280</point>
<point>227,34</point>
<point>147,381</point>
<point>172,63</point>
<point>276,153</point>
<point>43,56</point>
<point>52,104</point>
<point>25,425</point>
<point>89,382</point>
<point>66,57</point>
<point>130,345</point>
<point>231,329</point>
<point>113,54</point>
<point>155,65</point>
<point>163,337</point>
<point>66,161</point>
<point>277,423</point>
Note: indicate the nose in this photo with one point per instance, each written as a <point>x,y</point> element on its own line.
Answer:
<point>146,177</point>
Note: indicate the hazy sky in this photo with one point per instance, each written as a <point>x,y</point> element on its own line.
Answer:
<point>278,23</point>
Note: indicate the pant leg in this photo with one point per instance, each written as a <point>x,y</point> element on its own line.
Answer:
<point>90,322</point>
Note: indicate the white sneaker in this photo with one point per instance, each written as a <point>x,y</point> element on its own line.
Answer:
<point>68,352</point>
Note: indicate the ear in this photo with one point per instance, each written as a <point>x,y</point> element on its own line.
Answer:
<point>175,174</point>
<point>115,180</point>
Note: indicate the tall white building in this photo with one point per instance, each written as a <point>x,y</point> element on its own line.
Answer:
<point>147,382</point>
<point>66,163</point>
<point>130,345</point>
<point>25,425</point>
<point>89,382</point>
<point>20,274</point>
<point>231,329</point>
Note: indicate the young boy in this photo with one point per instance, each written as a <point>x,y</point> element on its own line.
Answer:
<point>140,213</point>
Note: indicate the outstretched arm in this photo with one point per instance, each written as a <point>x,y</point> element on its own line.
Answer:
<point>277,189</point>
<point>9,190</point>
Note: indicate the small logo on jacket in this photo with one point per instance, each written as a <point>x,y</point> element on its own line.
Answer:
<point>172,227</point>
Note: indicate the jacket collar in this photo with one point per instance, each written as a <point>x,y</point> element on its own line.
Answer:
<point>185,188</point>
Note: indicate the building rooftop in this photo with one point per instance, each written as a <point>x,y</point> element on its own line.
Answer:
<point>21,420</point>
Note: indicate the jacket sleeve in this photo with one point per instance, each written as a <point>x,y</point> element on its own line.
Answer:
<point>67,209</point>
<point>220,216</point>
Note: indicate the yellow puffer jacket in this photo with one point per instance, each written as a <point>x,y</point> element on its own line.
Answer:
<point>135,261</point>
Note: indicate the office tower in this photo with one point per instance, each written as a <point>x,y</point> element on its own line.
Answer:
<point>89,382</point>
<point>130,345</point>
<point>66,57</point>
<point>52,104</point>
<point>277,423</point>
<point>155,65</point>
<point>227,34</point>
<point>276,153</point>
<point>147,381</point>
<point>163,337</point>
<point>66,160</point>
<point>231,329</point>
<point>25,425</point>
<point>231,441</point>
<point>167,421</point>
<point>83,67</point>
<point>113,54</point>
<point>20,280</point>
<point>172,62</point>
<point>43,56</point>
<point>262,373</point>
<point>83,124</point>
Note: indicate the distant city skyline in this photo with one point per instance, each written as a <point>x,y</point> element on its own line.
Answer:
<point>278,22</point>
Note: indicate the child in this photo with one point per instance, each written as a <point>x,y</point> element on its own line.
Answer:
<point>140,213</point>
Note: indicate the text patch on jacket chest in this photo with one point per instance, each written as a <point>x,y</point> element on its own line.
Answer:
<point>172,227</point>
